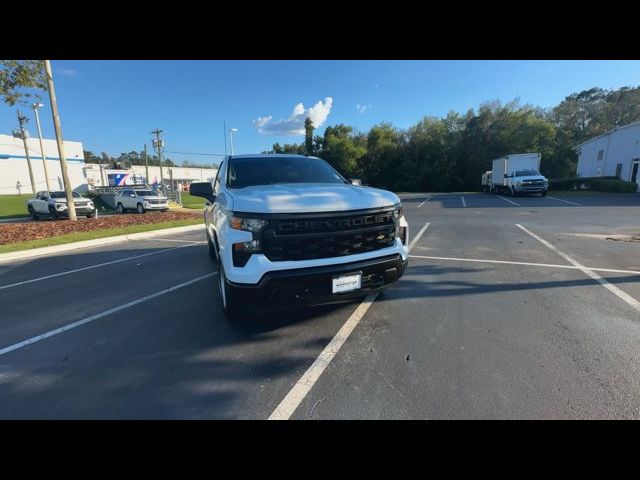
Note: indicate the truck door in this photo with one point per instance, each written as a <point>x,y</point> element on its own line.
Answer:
<point>40,204</point>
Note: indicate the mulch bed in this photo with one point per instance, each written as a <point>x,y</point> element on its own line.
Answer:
<point>20,232</point>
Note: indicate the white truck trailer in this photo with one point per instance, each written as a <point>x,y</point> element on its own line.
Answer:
<point>518,174</point>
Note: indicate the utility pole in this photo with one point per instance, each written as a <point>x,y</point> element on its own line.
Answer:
<point>35,107</point>
<point>23,134</point>
<point>58,129</point>
<point>146,163</point>
<point>158,144</point>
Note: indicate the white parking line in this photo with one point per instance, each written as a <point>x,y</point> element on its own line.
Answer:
<point>2,287</point>
<point>175,240</point>
<point>51,333</point>
<point>507,200</point>
<point>571,267</point>
<point>565,201</point>
<point>297,394</point>
<point>464,204</point>
<point>587,271</point>
<point>426,200</point>
<point>417,237</point>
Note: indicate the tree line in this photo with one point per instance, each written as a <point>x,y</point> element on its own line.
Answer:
<point>137,158</point>
<point>450,153</point>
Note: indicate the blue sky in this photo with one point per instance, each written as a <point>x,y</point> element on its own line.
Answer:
<point>112,106</point>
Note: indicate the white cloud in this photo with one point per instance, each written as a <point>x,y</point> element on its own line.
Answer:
<point>294,125</point>
<point>68,72</point>
<point>363,108</point>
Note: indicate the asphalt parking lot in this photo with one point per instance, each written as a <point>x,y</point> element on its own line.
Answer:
<point>510,308</point>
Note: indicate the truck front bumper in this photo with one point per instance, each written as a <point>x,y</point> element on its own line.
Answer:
<point>313,286</point>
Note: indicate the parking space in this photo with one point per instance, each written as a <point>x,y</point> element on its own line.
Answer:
<point>488,322</point>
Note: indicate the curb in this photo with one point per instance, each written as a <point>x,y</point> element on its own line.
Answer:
<point>37,252</point>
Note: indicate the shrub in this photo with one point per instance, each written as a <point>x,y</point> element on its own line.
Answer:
<point>600,184</point>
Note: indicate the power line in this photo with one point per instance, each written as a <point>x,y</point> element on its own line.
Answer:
<point>198,153</point>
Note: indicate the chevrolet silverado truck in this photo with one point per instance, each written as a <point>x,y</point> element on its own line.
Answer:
<point>518,175</point>
<point>290,230</point>
<point>54,205</point>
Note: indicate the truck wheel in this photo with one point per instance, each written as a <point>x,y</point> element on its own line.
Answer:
<point>33,213</point>
<point>512,192</point>
<point>543,194</point>
<point>212,247</point>
<point>54,214</point>
<point>230,303</point>
<point>120,208</point>
<point>139,208</point>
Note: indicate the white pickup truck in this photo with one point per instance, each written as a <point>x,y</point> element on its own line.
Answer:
<point>54,205</point>
<point>518,174</point>
<point>290,230</point>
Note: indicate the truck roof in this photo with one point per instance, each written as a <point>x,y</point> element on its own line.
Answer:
<point>271,155</point>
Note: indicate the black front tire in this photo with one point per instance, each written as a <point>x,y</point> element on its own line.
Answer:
<point>543,194</point>
<point>33,213</point>
<point>212,248</point>
<point>229,297</point>
<point>120,208</point>
<point>54,214</point>
<point>140,208</point>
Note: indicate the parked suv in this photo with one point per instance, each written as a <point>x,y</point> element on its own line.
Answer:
<point>140,200</point>
<point>289,229</point>
<point>54,205</point>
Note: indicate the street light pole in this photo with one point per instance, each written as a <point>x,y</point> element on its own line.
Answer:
<point>146,163</point>
<point>63,160</point>
<point>231,130</point>
<point>35,107</point>
<point>22,120</point>
<point>158,144</point>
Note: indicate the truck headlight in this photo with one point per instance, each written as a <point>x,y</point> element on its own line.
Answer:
<point>61,206</point>
<point>248,224</point>
<point>401,232</point>
<point>243,251</point>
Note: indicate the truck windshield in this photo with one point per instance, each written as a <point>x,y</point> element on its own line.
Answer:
<point>62,195</point>
<point>145,193</point>
<point>527,173</point>
<point>246,172</point>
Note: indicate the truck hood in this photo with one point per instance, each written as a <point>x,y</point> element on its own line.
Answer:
<point>154,197</point>
<point>531,177</point>
<point>75,200</point>
<point>309,197</point>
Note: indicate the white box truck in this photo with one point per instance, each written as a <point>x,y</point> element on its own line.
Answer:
<point>486,181</point>
<point>518,174</point>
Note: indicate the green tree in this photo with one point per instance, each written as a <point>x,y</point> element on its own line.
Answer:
<point>19,79</point>
<point>308,136</point>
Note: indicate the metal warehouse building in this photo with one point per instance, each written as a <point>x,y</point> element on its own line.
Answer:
<point>615,153</point>
<point>14,168</point>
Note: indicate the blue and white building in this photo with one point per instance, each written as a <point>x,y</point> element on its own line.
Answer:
<point>14,168</point>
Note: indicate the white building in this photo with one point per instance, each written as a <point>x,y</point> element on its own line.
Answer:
<point>182,176</point>
<point>612,154</point>
<point>14,168</point>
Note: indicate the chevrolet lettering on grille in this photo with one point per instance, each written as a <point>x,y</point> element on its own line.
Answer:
<point>334,223</point>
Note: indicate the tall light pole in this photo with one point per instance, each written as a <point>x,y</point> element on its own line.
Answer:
<point>35,107</point>
<point>23,135</point>
<point>224,134</point>
<point>58,129</point>
<point>158,144</point>
<point>231,130</point>
<point>146,163</point>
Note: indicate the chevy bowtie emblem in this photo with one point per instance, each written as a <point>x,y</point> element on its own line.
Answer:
<point>379,237</point>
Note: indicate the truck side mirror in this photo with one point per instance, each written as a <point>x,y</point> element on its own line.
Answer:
<point>202,189</point>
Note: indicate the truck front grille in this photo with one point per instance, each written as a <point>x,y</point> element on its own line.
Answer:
<point>326,237</point>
